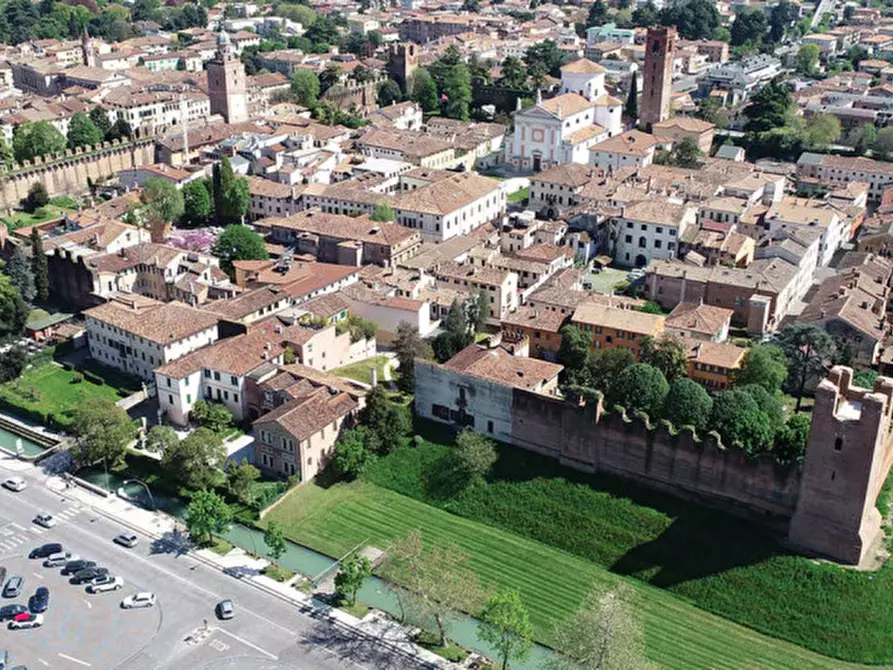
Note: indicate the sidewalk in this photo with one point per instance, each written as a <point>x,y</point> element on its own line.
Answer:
<point>240,565</point>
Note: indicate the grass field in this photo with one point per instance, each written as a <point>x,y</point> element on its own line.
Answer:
<point>361,371</point>
<point>48,389</point>
<point>519,196</point>
<point>54,210</point>
<point>552,582</point>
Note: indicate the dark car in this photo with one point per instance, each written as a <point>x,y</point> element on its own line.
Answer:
<point>45,550</point>
<point>88,574</point>
<point>40,600</point>
<point>11,611</point>
<point>76,566</point>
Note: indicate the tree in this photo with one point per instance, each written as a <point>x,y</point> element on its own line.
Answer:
<point>883,144</point>
<point>351,454</point>
<point>163,200</point>
<point>688,154</point>
<point>239,243</point>
<point>739,421</point>
<point>695,19</point>
<point>39,266</point>
<point>83,132</point>
<point>749,27</point>
<point>231,194</point>
<point>475,454</point>
<point>387,421</point>
<point>305,85</point>
<point>809,350</point>
<point>573,354</point>
<point>667,354</point>
<point>383,213</point>
<point>544,58</point>
<point>351,574</point>
<point>783,15</point>
<point>18,268</point>
<point>765,365</point>
<point>865,378</point>
<point>120,130</point>
<point>456,336</point>
<point>598,14</point>
<point>640,388</point>
<point>768,402</point>
<point>37,197</point>
<point>100,119</point>
<point>389,92</point>
<point>631,109</point>
<point>36,139</point>
<point>471,6</point>
<point>862,138</point>
<point>13,310</point>
<point>195,460</point>
<point>422,89</point>
<point>197,208</point>
<point>329,77</point>
<point>240,479</point>
<point>645,15</point>
<point>274,538</point>
<point>12,362</point>
<point>605,366</point>
<point>457,89</point>
<point>409,345</point>
<point>688,404</point>
<point>791,439</point>
<point>807,59</point>
<point>478,312</point>
<point>206,515</point>
<point>823,129</point>
<point>212,415</point>
<point>768,109</point>
<point>514,74</point>
<point>606,633</point>
<point>102,431</point>
<point>161,438</point>
<point>505,626</point>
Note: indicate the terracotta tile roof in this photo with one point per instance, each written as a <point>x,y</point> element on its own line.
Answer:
<point>566,104</point>
<point>697,318</point>
<point>498,365</point>
<point>583,66</point>
<point>340,226</point>
<point>162,323</point>
<point>326,306</point>
<point>488,275</point>
<point>569,174</point>
<point>306,416</point>
<point>268,189</point>
<point>545,320</point>
<point>367,295</point>
<point>687,124</point>
<point>628,320</point>
<point>448,195</point>
<point>633,143</point>
<point>719,354</point>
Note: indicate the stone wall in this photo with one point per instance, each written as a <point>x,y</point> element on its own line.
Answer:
<point>67,172</point>
<point>590,439</point>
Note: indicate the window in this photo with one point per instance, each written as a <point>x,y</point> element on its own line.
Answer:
<point>233,380</point>
<point>838,444</point>
<point>235,397</point>
<point>188,398</point>
<point>170,399</point>
<point>629,239</point>
<point>489,426</point>
<point>216,376</point>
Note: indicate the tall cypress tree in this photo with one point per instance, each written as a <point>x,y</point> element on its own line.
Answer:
<point>217,193</point>
<point>39,267</point>
<point>631,109</point>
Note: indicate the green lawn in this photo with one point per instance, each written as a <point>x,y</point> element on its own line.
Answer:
<point>552,582</point>
<point>362,370</point>
<point>54,210</point>
<point>48,389</point>
<point>519,196</point>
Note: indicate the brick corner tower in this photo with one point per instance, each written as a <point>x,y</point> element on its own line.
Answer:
<point>657,85</point>
<point>227,84</point>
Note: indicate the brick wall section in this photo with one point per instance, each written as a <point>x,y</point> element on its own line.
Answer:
<point>590,439</point>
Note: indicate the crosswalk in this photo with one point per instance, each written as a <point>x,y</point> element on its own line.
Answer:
<point>14,535</point>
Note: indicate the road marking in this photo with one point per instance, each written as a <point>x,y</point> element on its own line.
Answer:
<point>89,604</point>
<point>38,575</point>
<point>43,662</point>
<point>248,644</point>
<point>75,660</point>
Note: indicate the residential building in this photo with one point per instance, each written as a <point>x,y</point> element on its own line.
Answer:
<point>674,130</point>
<point>387,310</point>
<point>837,171</point>
<point>740,79</point>
<point>539,326</point>
<point>631,149</point>
<point>136,334</point>
<point>713,364</point>
<point>690,320</point>
<point>616,327</point>
<point>650,229</point>
<point>793,213</point>
<point>270,198</point>
<point>499,286</point>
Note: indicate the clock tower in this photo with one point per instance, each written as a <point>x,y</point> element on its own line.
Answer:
<point>227,83</point>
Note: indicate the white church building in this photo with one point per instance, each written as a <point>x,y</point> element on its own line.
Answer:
<point>562,129</point>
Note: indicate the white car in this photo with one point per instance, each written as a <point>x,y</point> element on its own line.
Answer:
<point>137,600</point>
<point>60,559</point>
<point>15,484</point>
<point>26,621</point>
<point>45,520</point>
<point>104,584</point>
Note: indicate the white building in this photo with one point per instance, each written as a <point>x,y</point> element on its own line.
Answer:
<point>453,206</point>
<point>136,334</point>
<point>650,230</point>
<point>562,129</point>
<point>500,286</point>
<point>631,149</point>
<point>793,213</point>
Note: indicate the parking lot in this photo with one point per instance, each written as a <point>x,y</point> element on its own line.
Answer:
<point>79,629</point>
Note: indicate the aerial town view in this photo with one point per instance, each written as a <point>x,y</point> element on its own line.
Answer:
<point>441,334</point>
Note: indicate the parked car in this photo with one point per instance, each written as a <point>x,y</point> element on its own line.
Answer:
<point>11,611</point>
<point>45,550</point>
<point>60,559</point>
<point>13,588</point>
<point>128,540</point>
<point>40,600</point>
<point>137,600</point>
<point>226,609</point>
<point>104,584</point>
<point>26,621</point>
<point>77,565</point>
<point>15,484</point>
<point>88,575</point>
<point>45,520</point>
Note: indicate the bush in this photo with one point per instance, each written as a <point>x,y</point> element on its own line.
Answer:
<point>93,378</point>
<point>78,378</point>
<point>68,367</point>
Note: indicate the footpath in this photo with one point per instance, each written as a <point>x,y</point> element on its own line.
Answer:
<point>241,565</point>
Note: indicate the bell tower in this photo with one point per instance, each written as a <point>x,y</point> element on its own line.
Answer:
<point>227,83</point>
<point>659,46</point>
<point>88,49</point>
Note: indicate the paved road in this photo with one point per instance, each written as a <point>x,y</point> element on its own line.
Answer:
<point>266,634</point>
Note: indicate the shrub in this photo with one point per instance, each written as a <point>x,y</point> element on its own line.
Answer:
<point>78,378</point>
<point>93,378</point>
